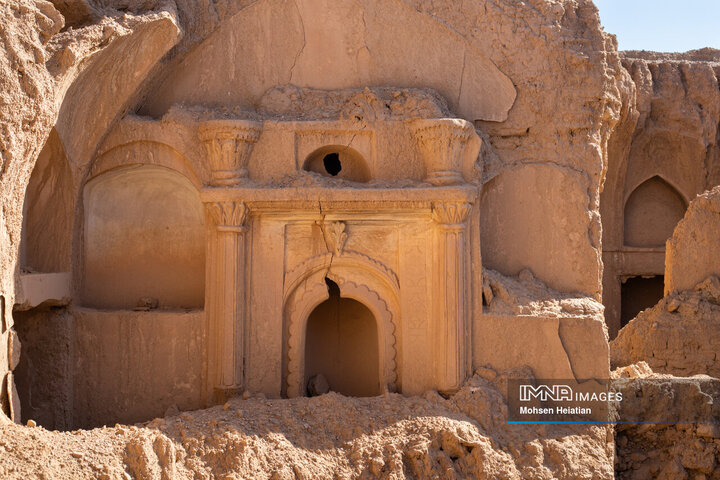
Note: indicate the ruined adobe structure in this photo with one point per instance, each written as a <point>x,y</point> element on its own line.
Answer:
<point>380,197</point>
<point>662,155</point>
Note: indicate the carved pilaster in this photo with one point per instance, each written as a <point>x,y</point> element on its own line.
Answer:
<point>452,299</point>
<point>225,299</point>
<point>442,143</point>
<point>229,144</point>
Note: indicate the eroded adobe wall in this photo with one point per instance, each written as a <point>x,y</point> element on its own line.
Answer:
<point>40,64</point>
<point>680,335</point>
<point>663,153</point>
<point>27,113</point>
<point>677,339</point>
<point>693,252</point>
<point>688,448</point>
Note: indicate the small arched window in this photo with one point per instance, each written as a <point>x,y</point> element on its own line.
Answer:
<point>338,161</point>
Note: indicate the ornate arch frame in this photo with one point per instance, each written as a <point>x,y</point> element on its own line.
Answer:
<point>309,290</point>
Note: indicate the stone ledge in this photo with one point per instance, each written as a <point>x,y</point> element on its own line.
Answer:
<point>50,289</point>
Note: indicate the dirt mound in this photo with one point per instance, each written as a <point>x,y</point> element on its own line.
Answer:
<point>330,436</point>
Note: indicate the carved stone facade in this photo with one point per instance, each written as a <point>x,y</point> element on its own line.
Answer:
<point>270,182</point>
<point>283,229</point>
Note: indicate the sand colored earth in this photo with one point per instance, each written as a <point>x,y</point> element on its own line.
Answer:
<point>330,436</point>
<point>689,447</point>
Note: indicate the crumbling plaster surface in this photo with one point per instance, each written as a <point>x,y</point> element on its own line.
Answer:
<point>693,252</point>
<point>334,45</point>
<point>564,334</point>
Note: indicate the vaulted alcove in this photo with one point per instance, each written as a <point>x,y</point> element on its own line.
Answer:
<point>144,238</point>
<point>651,212</point>
<point>48,212</point>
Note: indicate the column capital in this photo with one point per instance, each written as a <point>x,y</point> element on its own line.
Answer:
<point>443,143</point>
<point>451,214</point>
<point>228,216</point>
<point>229,144</point>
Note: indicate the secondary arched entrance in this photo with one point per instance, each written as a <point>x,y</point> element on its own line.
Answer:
<point>341,344</point>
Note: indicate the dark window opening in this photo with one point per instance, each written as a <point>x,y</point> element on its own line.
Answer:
<point>332,164</point>
<point>639,293</point>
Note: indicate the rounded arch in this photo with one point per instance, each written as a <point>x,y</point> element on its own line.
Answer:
<point>143,240</point>
<point>338,161</point>
<point>651,212</point>
<point>145,152</point>
<point>347,259</point>
<point>311,291</point>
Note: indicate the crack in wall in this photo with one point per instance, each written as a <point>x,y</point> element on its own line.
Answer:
<point>462,77</point>
<point>302,48</point>
<point>565,349</point>
<point>321,224</point>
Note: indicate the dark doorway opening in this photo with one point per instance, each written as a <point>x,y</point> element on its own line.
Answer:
<point>639,293</point>
<point>341,344</point>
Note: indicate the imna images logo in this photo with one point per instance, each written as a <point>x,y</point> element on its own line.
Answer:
<point>544,393</point>
<point>564,393</point>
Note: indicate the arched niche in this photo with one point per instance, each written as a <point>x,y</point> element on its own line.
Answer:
<point>48,212</point>
<point>341,344</point>
<point>338,161</point>
<point>144,238</point>
<point>651,212</point>
<point>310,294</point>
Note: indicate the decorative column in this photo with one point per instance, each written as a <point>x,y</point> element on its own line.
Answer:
<point>451,286</point>
<point>226,300</point>
<point>443,143</point>
<point>229,144</point>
